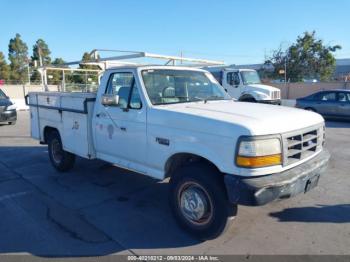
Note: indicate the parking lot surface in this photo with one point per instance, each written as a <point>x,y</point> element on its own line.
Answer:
<point>98,209</point>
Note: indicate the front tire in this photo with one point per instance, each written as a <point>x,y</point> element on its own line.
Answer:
<point>60,159</point>
<point>199,202</point>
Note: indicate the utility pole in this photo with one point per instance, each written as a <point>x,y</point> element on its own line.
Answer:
<point>28,70</point>
<point>43,72</point>
<point>285,69</point>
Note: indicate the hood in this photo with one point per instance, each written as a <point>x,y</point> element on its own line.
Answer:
<point>253,118</point>
<point>5,102</point>
<point>263,88</point>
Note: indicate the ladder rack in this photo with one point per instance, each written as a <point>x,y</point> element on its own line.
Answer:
<point>121,60</point>
<point>107,62</point>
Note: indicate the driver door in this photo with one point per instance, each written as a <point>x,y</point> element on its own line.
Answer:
<point>120,133</point>
<point>234,84</point>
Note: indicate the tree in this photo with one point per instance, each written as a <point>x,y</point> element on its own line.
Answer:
<point>305,59</point>
<point>40,49</point>
<point>4,68</point>
<point>82,77</point>
<point>56,75</point>
<point>18,56</point>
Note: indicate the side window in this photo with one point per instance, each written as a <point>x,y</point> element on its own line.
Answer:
<point>236,80</point>
<point>135,99</point>
<point>118,81</point>
<point>329,97</point>
<point>325,96</point>
<point>233,78</point>
<point>343,97</point>
<point>123,84</point>
<point>229,79</point>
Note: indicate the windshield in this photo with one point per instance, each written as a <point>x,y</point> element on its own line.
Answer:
<point>2,94</point>
<point>250,77</point>
<point>166,86</point>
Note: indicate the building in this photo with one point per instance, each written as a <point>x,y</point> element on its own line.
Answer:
<point>342,68</point>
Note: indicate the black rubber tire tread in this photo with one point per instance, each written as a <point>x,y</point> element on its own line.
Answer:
<point>209,178</point>
<point>68,158</point>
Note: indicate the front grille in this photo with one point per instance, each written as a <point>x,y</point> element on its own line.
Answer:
<point>276,95</point>
<point>300,145</point>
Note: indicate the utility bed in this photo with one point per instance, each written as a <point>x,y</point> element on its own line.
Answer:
<point>71,113</point>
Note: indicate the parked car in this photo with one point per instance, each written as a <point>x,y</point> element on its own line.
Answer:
<point>8,112</point>
<point>179,123</point>
<point>330,104</point>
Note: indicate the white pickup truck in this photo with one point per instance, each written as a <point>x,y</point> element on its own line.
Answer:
<point>245,85</point>
<point>179,123</point>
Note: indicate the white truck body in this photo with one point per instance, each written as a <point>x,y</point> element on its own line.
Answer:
<point>245,85</point>
<point>221,122</point>
<point>156,139</point>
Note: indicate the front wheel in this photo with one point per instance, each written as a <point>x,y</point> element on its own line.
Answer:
<point>60,159</point>
<point>199,202</point>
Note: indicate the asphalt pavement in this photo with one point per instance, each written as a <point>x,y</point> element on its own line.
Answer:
<point>98,209</point>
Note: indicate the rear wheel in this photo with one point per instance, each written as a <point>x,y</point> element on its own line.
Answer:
<point>199,202</point>
<point>60,159</point>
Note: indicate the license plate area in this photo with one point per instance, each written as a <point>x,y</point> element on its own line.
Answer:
<point>311,183</point>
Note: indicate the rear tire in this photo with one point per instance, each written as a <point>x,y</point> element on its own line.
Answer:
<point>60,159</point>
<point>199,202</point>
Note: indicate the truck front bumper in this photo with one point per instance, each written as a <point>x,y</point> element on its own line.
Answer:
<point>271,102</point>
<point>8,116</point>
<point>257,191</point>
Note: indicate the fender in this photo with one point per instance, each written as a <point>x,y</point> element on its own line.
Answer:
<point>204,152</point>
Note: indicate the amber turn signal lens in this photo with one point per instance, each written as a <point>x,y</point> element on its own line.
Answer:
<point>259,161</point>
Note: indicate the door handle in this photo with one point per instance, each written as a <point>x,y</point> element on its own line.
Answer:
<point>100,114</point>
<point>123,128</point>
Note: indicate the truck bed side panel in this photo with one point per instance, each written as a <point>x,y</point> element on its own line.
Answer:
<point>70,114</point>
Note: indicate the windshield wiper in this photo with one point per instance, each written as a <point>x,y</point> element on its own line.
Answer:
<point>213,98</point>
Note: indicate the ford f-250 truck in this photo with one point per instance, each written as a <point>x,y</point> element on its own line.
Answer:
<point>179,123</point>
<point>245,85</point>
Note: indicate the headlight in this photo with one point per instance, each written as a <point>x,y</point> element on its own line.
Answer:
<point>11,107</point>
<point>259,153</point>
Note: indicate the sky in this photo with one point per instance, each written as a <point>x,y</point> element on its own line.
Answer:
<point>238,32</point>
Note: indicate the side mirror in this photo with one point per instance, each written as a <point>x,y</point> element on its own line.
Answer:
<point>236,82</point>
<point>110,100</point>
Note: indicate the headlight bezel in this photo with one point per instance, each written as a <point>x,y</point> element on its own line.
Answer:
<point>259,138</point>
<point>11,107</point>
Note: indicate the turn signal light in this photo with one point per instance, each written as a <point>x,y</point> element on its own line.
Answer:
<point>259,161</point>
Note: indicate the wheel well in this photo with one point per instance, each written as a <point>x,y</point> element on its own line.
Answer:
<point>47,131</point>
<point>310,108</point>
<point>182,159</point>
<point>247,98</point>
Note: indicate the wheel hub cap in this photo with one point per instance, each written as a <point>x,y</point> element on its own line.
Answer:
<point>193,203</point>
<point>56,151</point>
